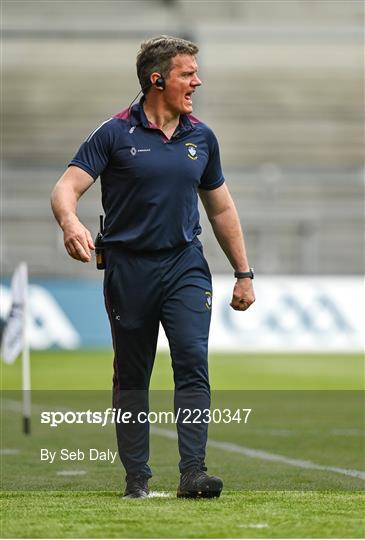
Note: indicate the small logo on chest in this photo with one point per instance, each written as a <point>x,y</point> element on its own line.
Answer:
<point>134,150</point>
<point>192,152</point>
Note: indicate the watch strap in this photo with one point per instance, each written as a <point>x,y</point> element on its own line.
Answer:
<point>241,275</point>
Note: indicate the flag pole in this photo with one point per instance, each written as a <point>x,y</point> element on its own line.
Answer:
<point>26,359</point>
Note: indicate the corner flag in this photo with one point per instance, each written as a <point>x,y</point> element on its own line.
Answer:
<point>13,336</point>
<point>15,339</point>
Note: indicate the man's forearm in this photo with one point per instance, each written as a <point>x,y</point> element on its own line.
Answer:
<point>64,198</point>
<point>64,205</point>
<point>228,231</point>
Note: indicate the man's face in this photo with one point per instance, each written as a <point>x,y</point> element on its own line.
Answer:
<point>181,83</point>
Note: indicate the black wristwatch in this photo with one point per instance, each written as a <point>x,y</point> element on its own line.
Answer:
<point>240,275</point>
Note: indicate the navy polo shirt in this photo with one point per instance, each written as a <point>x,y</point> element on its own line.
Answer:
<point>150,184</point>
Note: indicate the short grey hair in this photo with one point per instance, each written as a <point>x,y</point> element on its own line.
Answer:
<point>156,54</point>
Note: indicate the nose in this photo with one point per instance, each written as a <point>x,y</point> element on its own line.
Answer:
<point>196,81</point>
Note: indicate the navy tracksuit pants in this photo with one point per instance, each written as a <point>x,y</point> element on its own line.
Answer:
<point>141,289</point>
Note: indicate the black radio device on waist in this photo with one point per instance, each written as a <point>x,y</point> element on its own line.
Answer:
<point>99,248</point>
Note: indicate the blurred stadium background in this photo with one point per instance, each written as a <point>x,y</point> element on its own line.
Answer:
<point>282,89</point>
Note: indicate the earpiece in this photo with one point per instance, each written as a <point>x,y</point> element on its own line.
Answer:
<point>160,83</point>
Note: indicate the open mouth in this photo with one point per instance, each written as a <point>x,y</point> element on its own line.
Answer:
<point>188,97</point>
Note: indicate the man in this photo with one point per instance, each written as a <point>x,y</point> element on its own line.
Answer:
<point>153,160</point>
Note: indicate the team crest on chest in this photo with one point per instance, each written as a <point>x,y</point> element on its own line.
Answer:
<point>191,148</point>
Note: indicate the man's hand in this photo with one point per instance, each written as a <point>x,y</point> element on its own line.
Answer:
<point>77,239</point>
<point>243,294</point>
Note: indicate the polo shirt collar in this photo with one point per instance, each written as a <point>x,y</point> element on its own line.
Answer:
<point>138,117</point>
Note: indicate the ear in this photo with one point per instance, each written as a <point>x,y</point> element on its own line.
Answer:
<point>154,77</point>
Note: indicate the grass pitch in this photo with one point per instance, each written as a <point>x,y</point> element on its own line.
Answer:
<point>234,515</point>
<point>306,408</point>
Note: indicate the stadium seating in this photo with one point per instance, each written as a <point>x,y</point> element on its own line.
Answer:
<point>282,90</point>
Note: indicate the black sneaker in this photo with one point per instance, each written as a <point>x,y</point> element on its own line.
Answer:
<point>137,487</point>
<point>196,483</point>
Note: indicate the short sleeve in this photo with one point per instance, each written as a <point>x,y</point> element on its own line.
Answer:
<point>212,176</point>
<point>94,154</point>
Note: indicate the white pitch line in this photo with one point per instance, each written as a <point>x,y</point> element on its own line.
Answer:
<point>12,405</point>
<point>274,432</point>
<point>158,494</point>
<point>348,432</point>
<point>254,526</point>
<point>267,456</point>
<point>16,406</point>
<point>70,473</point>
<point>9,451</point>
